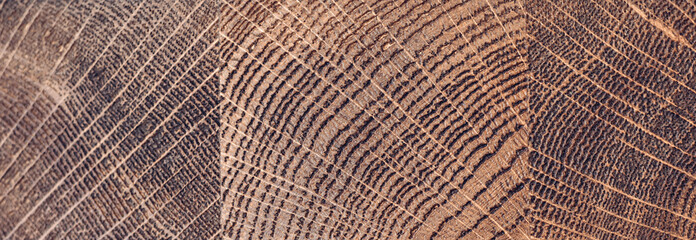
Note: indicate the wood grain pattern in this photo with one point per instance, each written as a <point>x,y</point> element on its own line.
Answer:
<point>112,120</point>
<point>348,119</point>
<point>613,137</point>
<point>373,119</point>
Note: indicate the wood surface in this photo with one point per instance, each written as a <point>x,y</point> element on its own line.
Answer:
<point>109,120</point>
<point>377,119</point>
<point>348,119</point>
<point>613,139</point>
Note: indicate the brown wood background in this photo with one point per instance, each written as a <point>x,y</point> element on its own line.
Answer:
<point>377,119</point>
<point>109,120</point>
<point>338,119</point>
<point>613,141</point>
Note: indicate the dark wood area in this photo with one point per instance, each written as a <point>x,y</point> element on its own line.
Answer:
<point>109,120</point>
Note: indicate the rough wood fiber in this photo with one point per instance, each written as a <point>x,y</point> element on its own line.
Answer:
<point>613,139</point>
<point>373,119</point>
<point>108,119</point>
<point>348,119</point>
